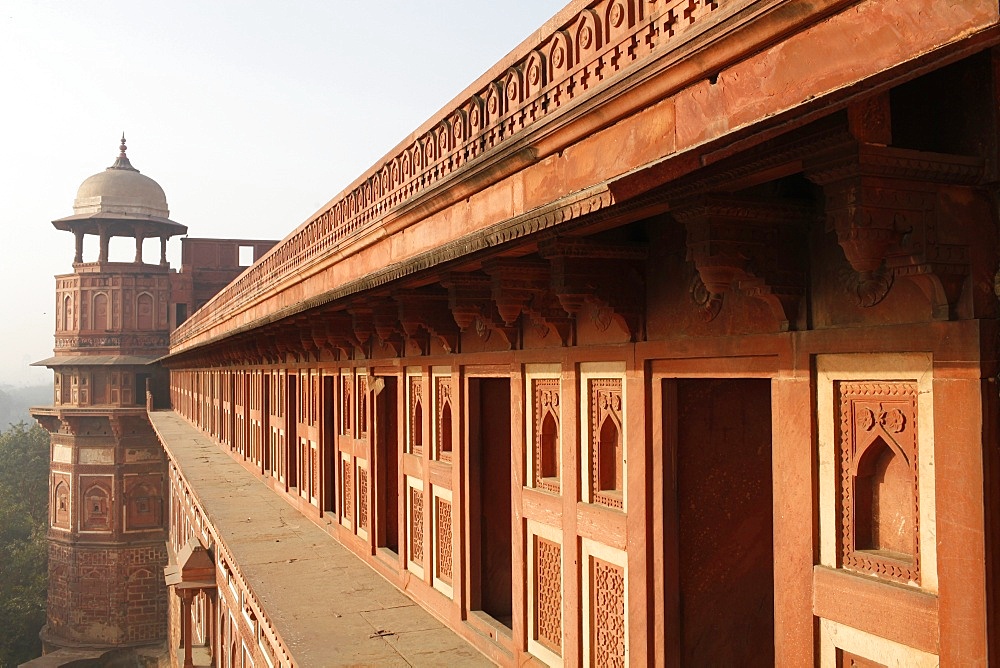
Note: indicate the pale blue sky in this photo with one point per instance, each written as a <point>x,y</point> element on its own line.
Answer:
<point>250,115</point>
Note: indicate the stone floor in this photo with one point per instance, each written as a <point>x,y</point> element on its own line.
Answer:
<point>328,606</point>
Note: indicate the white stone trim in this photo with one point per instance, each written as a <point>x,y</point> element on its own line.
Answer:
<point>834,636</point>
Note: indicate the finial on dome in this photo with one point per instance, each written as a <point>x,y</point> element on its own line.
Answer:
<point>122,161</point>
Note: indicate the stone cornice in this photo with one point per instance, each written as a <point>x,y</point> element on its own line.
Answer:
<point>594,51</point>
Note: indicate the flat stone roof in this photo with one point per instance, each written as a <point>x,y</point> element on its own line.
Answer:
<point>327,605</point>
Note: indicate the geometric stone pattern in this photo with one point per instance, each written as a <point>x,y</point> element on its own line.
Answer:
<point>443,529</point>
<point>548,594</point>
<point>607,608</point>
<point>362,498</point>
<point>877,417</point>
<point>348,493</point>
<point>416,525</point>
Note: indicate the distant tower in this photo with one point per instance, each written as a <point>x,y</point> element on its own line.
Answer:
<point>107,470</point>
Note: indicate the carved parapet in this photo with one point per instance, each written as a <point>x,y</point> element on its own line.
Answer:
<point>607,276</point>
<point>883,204</point>
<point>751,246</point>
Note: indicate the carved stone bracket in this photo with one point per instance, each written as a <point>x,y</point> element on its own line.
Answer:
<point>607,276</point>
<point>748,246</point>
<point>427,310</point>
<point>882,203</point>
<point>385,319</point>
<point>471,304</point>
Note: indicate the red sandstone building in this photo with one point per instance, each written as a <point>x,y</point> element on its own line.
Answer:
<point>672,340</point>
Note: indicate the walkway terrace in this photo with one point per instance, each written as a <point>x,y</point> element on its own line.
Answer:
<point>324,605</point>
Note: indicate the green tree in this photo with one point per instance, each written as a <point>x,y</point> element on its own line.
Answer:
<point>24,474</point>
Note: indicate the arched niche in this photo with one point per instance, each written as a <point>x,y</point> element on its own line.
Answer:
<point>884,504</point>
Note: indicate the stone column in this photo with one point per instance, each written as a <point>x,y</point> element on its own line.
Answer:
<point>163,251</point>
<point>186,627</point>
<point>105,238</point>
<point>138,248</point>
<point>78,258</point>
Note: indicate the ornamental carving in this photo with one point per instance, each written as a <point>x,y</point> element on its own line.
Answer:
<point>443,417</point>
<point>607,455</point>
<point>882,202</point>
<point>96,504</point>
<point>416,525</point>
<point>442,532</point>
<point>347,487</point>
<point>590,50</point>
<point>547,449</point>
<point>879,501</point>
<point>548,594</point>
<point>607,612</point>
<point>362,498</point>
<point>416,422</point>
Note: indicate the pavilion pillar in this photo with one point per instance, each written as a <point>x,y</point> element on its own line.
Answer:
<point>186,627</point>
<point>163,251</point>
<point>138,248</point>
<point>105,238</point>
<point>78,257</point>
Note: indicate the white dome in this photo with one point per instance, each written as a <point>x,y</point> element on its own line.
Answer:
<point>121,190</point>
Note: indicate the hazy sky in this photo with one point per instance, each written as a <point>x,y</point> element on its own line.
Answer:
<point>250,115</point>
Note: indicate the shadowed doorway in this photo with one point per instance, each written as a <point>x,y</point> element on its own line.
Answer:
<point>724,561</point>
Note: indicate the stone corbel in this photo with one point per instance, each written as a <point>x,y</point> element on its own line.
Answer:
<point>363,322</point>
<point>336,330</point>
<point>427,310</point>
<point>750,246</point>
<point>882,203</point>
<point>608,277</point>
<point>385,319</point>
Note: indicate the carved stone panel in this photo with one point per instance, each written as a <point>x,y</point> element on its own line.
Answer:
<point>607,610</point>
<point>545,440</point>
<point>443,531</point>
<point>443,418</point>
<point>879,501</point>
<point>362,498</point>
<point>347,485</point>
<point>607,455</point>
<point>416,525</point>
<point>97,512</point>
<point>548,594</point>
<point>60,503</point>
<point>416,412</point>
